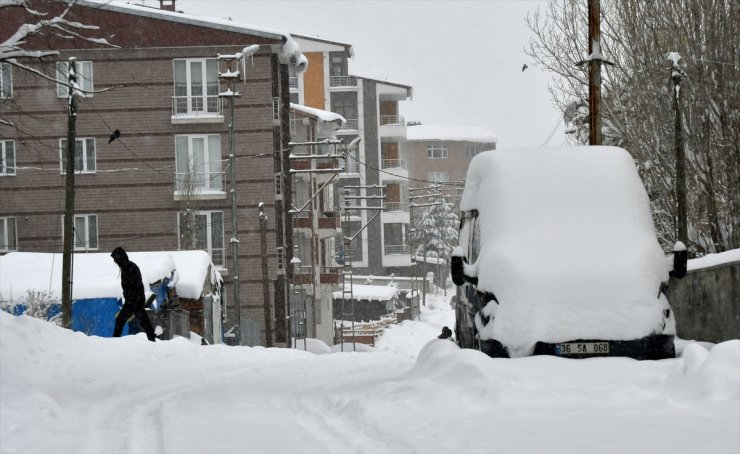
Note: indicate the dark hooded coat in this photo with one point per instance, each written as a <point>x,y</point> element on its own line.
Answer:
<point>131,283</point>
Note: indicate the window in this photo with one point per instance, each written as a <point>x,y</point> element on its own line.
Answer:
<point>336,64</point>
<point>85,232</point>
<point>84,155</point>
<point>6,81</point>
<point>198,163</point>
<point>203,230</point>
<point>84,78</point>
<point>345,104</point>
<point>7,157</point>
<point>279,185</point>
<point>196,87</point>
<point>276,108</point>
<point>437,151</point>
<point>438,177</point>
<point>394,239</point>
<point>280,256</point>
<point>8,241</point>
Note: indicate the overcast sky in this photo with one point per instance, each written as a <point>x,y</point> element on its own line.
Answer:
<point>462,57</point>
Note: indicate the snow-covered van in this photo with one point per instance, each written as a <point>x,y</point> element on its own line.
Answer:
<point>558,255</point>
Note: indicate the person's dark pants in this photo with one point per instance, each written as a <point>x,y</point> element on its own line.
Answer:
<point>136,309</point>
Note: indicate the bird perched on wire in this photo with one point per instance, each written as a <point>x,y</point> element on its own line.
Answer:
<point>116,134</point>
<point>524,67</point>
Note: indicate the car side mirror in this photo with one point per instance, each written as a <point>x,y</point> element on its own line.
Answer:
<point>457,270</point>
<point>680,260</point>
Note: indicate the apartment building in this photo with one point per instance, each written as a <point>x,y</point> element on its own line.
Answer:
<point>164,183</point>
<point>441,154</point>
<point>371,110</point>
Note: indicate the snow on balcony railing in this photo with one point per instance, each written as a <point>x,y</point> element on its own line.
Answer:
<point>394,163</point>
<point>342,81</point>
<point>196,106</point>
<point>391,120</point>
<point>396,206</point>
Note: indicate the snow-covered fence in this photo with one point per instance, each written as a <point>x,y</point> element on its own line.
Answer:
<point>706,301</point>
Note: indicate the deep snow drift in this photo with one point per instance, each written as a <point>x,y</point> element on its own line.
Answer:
<point>62,391</point>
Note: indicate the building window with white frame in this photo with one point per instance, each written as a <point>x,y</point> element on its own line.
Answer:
<point>198,163</point>
<point>85,232</point>
<point>196,87</point>
<point>6,81</point>
<point>84,155</point>
<point>8,239</point>
<point>437,151</point>
<point>203,230</point>
<point>7,157</point>
<point>84,78</point>
<point>438,177</point>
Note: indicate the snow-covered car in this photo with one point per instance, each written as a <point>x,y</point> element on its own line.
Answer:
<point>558,255</point>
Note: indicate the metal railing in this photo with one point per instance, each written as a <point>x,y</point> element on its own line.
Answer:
<point>394,163</point>
<point>197,182</point>
<point>196,105</point>
<point>391,120</point>
<point>396,206</point>
<point>351,166</point>
<point>350,124</point>
<point>397,249</point>
<point>342,81</point>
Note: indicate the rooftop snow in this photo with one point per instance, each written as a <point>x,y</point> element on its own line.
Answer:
<point>370,292</point>
<point>323,115</point>
<point>97,276</point>
<point>450,133</point>
<point>711,260</point>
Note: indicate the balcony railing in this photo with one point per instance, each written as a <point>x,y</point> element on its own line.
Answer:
<point>394,163</point>
<point>342,81</point>
<point>198,182</point>
<point>293,82</point>
<point>396,206</point>
<point>351,123</point>
<point>196,106</point>
<point>397,249</point>
<point>391,120</point>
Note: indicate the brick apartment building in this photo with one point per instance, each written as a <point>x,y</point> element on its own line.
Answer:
<point>160,87</point>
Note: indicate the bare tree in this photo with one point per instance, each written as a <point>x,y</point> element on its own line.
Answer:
<point>638,112</point>
<point>39,22</point>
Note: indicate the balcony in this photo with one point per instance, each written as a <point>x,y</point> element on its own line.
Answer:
<point>396,206</point>
<point>197,109</point>
<point>199,186</point>
<point>327,222</point>
<point>350,126</point>
<point>397,249</point>
<point>342,81</point>
<point>394,164</point>
<point>392,127</point>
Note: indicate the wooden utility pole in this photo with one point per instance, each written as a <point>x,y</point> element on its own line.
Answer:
<point>594,72</point>
<point>682,229</point>
<point>265,277</point>
<point>69,195</point>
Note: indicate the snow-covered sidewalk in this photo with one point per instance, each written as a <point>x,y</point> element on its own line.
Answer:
<point>62,391</point>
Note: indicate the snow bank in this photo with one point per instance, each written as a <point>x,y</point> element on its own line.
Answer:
<point>711,260</point>
<point>370,292</point>
<point>568,246</point>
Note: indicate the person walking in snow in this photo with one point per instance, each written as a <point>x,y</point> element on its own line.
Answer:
<point>133,295</point>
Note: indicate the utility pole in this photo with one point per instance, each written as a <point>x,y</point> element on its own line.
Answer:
<point>677,75</point>
<point>594,72</point>
<point>265,282</point>
<point>347,285</point>
<point>69,194</point>
<point>230,77</point>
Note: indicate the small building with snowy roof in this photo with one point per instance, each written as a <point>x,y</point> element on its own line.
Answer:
<point>371,303</point>
<point>31,283</point>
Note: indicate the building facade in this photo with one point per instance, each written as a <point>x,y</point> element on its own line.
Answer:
<point>163,182</point>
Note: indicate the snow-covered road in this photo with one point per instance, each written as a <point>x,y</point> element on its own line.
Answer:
<point>66,392</point>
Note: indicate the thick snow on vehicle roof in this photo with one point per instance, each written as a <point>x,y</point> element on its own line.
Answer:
<point>568,245</point>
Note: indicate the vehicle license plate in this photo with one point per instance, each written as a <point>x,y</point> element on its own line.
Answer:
<point>582,348</point>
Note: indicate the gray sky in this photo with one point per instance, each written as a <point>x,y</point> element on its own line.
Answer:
<point>463,57</point>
